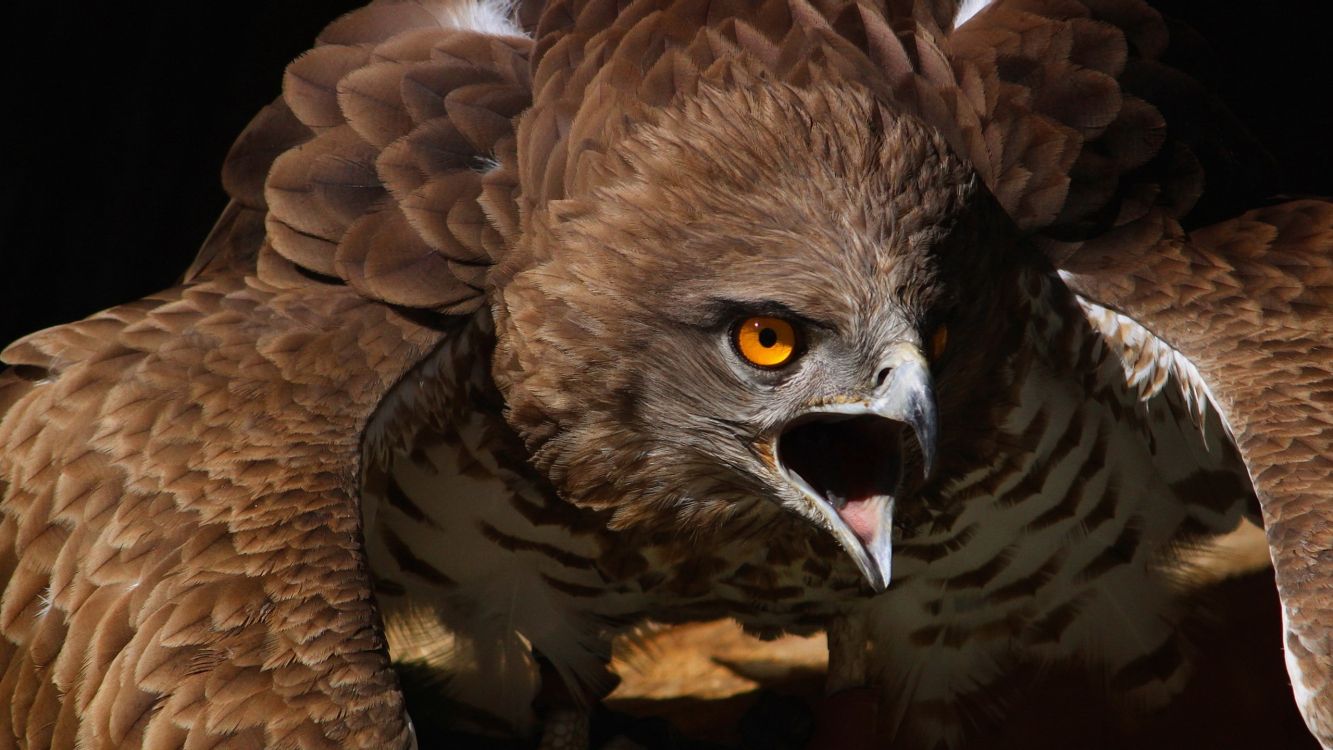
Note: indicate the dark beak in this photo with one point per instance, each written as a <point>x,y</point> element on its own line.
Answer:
<point>848,459</point>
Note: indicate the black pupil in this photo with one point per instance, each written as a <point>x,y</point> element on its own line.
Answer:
<point>768,338</point>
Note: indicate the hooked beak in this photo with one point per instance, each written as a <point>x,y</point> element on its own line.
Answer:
<point>847,458</point>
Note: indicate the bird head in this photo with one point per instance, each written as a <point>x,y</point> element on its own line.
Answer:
<point>755,305</point>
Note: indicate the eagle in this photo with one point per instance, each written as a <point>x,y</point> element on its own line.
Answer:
<point>525,326</point>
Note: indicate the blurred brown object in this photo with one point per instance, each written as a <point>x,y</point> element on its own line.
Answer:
<point>704,677</point>
<point>714,684</point>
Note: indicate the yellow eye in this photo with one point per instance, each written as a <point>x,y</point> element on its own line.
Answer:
<point>766,342</point>
<point>939,342</point>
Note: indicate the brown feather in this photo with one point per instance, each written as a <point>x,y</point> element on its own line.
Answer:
<point>1250,303</point>
<point>180,531</point>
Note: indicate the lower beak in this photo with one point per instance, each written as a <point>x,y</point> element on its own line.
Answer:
<point>848,460</point>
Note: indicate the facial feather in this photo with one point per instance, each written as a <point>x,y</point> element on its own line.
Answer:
<point>823,204</point>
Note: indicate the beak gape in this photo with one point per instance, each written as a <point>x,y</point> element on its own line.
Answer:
<point>847,458</point>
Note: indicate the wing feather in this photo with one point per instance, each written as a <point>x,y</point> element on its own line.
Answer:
<point>400,165</point>
<point>179,537</point>
<point>177,522</point>
<point>1249,302</point>
<point>371,169</point>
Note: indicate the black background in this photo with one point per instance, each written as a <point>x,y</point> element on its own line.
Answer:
<point>118,115</point>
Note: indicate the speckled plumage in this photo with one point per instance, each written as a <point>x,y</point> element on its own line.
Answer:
<point>454,361</point>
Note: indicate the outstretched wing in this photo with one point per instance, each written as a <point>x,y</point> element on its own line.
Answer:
<point>178,530</point>
<point>180,537</point>
<point>1250,303</point>
<point>1099,149</point>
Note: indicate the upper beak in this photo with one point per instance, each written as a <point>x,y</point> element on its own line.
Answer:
<point>847,457</point>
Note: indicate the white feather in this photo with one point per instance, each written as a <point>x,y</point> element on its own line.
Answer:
<point>967,9</point>
<point>1304,695</point>
<point>1165,364</point>
<point>485,16</point>
<point>46,599</point>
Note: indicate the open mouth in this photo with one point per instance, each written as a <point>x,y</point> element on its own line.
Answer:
<point>846,458</point>
<point>853,463</point>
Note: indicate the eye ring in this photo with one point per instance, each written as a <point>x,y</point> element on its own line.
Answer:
<point>765,342</point>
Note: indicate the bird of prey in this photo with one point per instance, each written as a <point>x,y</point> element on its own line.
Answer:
<point>526,326</point>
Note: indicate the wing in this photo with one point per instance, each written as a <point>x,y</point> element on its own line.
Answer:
<point>1078,124</point>
<point>1099,149</point>
<point>386,165</point>
<point>180,537</point>
<point>177,530</point>
<point>1061,105</point>
<point>1249,302</point>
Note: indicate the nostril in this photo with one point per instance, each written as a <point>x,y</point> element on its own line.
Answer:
<point>883,376</point>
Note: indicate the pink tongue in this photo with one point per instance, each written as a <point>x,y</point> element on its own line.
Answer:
<point>863,518</point>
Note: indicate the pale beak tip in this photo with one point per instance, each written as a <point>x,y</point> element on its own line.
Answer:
<point>879,585</point>
<point>879,572</point>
